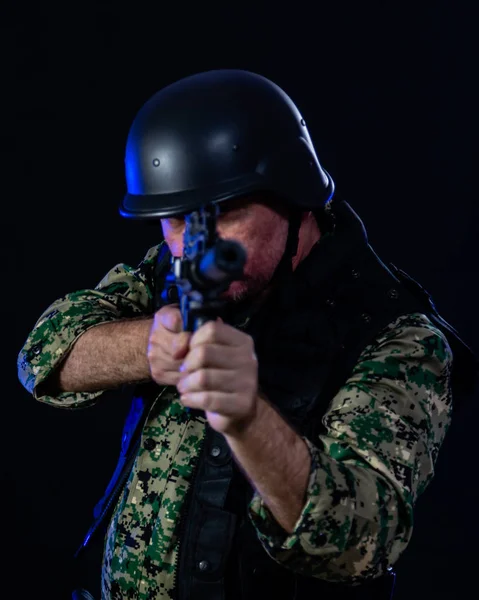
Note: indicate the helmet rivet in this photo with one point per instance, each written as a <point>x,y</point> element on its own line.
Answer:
<point>156,162</point>
<point>235,147</point>
<point>303,122</point>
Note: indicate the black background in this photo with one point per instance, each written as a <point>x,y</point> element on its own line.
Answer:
<point>389,93</point>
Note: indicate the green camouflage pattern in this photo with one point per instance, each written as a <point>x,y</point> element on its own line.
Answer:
<point>142,540</point>
<point>123,293</point>
<point>384,429</point>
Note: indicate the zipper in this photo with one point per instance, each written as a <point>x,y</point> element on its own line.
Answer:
<point>183,517</point>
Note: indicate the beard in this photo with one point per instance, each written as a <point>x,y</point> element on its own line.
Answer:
<point>245,297</point>
<point>246,289</point>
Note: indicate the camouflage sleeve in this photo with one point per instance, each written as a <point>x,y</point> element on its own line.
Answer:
<point>384,429</point>
<point>123,293</point>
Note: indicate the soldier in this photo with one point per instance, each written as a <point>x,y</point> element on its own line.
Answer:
<point>279,450</point>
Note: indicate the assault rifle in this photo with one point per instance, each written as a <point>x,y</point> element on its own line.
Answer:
<point>207,268</point>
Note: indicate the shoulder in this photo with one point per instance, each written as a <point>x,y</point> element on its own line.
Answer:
<point>151,256</point>
<point>410,352</point>
<point>412,334</point>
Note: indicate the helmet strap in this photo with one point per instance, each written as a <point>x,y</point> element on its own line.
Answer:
<point>292,242</point>
<point>283,276</point>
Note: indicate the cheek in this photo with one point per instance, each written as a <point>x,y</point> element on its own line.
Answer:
<point>174,240</point>
<point>264,256</point>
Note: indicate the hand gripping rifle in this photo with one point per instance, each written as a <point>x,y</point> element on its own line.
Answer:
<point>208,266</point>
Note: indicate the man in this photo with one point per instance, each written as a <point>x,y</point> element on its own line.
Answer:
<point>280,448</point>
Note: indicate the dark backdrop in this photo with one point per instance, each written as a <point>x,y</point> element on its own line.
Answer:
<point>389,92</point>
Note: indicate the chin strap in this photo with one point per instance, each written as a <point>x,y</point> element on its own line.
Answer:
<point>292,242</point>
<point>284,271</point>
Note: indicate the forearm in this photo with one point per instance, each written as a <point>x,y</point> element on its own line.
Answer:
<point>324,518</point>
<point>343,511</point>
<point>277,462</point>
<point>104,357</point>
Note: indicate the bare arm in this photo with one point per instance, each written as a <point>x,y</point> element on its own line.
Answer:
<point>284,458</point>
<point>97,339</point>
<point>104,357</point>
<point>120,352</point>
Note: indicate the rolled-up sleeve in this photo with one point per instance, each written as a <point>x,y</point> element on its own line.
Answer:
<point>383,432</point>
<point>123,293</point>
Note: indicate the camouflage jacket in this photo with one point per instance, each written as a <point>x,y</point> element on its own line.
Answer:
<point>394,410</point>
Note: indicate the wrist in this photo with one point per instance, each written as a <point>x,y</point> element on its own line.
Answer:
<point>253,425</point>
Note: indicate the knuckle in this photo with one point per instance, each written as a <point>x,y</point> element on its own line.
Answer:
<point>157,376</point>
<point>161,320</point>
<point>202,355</point>
<point>206,400</point>
<point>248,381</point>
<point>168,317</point>
<point>155,331</point>
<point>203,378</point>
<point>211,329</point>
<point>155,368</point>
<point>150,352</point>
<point>173,378</point>
<point>153,349</point>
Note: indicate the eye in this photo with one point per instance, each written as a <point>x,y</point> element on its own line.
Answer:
<point>233,208</point>
<point>172,225</point>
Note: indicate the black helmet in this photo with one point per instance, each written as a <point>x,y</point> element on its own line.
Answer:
<point>216,136</point>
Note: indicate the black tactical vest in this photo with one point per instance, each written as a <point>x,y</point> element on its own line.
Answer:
<point>307,339</point>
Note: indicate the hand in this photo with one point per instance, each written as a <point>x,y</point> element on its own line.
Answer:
<point>220,376</point>
<point>167,345</point>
